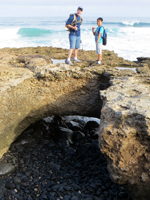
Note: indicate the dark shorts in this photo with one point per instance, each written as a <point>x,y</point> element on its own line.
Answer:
<point>74,41</point>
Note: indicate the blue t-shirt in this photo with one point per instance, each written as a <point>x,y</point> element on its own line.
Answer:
<point>99,29</point>
<point>72,31</point>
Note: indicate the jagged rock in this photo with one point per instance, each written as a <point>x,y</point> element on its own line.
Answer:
<point>90,125</point>
<point>54,166</point>
<point>94,133</point>
<point>140,59</point>
<point>78,135</point>
<point>75,126</point>
<point>125,134</point>
<point>144,63</point>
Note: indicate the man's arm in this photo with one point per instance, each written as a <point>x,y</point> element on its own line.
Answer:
<point>73,27</point>
<point>69,22</point>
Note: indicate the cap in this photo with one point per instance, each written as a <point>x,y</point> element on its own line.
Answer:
<point>80,7</point>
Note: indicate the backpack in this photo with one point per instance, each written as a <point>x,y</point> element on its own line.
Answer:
<point>74,21</point>
<point>104,37</point>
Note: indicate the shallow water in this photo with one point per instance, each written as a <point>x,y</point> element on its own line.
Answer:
<point>57,61</point>
<point>126,68</point>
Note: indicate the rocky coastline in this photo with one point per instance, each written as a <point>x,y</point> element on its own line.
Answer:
<point>118,91</point>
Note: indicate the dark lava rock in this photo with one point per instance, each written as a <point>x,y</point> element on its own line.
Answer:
<point>75,126</point>
<point>78,135</point>
<point>44,196</point>
<point>82,150</point>
<point>94,134</point>
<point>63,133</point>
<point>29,198</point>
<point>66,197</point>
<point>17,180</point>
<point>2,188</point>
<point>6,168</point>
<point>140,59</point>
<point>10,185</point>
<point>90,125</point>
<point>74,198</point>
<point>54,166</point>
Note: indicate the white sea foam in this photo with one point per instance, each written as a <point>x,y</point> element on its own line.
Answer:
<point>8,36</point>
<point>129,23</point>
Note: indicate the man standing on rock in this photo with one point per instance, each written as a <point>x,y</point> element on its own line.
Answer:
<point>73,24</point>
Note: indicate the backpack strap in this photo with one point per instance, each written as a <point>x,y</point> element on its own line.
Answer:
<point>100,29</point>
<point>74,20</point>
<point>81,19</point>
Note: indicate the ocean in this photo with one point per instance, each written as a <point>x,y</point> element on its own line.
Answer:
<point>128,37</point>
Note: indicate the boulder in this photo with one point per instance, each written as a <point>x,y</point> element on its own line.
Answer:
<point>6,168</point>
<point>124,135</point>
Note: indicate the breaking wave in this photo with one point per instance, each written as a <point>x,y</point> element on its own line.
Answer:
<point>33,32</point>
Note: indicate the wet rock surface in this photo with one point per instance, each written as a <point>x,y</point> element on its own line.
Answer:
<point>55,169</point>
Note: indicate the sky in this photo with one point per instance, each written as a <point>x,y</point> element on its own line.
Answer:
<point>62,8</point>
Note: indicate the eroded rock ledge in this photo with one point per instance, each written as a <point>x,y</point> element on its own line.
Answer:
<point>32,88</point>
<point>125,133</point>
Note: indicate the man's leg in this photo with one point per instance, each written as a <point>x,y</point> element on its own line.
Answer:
<point>72,46</point>
<point>70,53</point>
<point>69,56</point>
<point>77,46</point>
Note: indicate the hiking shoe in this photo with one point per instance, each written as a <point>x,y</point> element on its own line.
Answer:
<point>68,62</point>
<point>76,61</point>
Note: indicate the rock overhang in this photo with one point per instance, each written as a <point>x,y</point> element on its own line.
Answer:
<point>35,88</point>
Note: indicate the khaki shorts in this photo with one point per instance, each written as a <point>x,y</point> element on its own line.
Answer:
<point>99,48</point>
